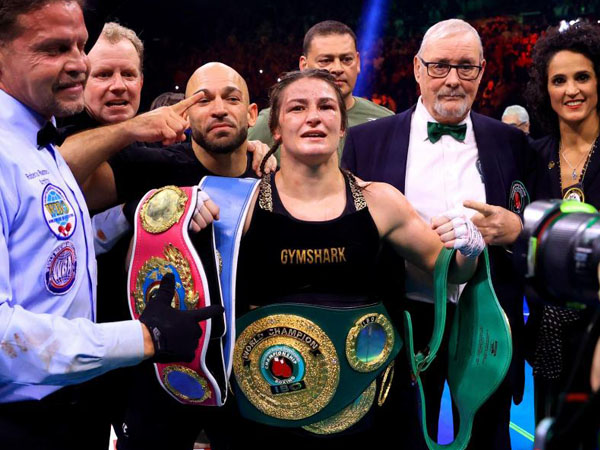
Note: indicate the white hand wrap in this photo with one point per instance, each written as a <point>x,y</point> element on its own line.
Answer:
<point>200,199</point>
<point>467,238</point>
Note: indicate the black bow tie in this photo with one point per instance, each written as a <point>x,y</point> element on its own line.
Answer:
<point>48,135</point>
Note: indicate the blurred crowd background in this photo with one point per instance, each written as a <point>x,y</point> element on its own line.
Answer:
<point>262,39</point>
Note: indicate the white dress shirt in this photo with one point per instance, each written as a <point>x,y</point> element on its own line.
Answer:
<point>439,177</point>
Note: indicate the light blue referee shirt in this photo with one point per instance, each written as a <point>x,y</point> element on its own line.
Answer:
<point>48,337</point>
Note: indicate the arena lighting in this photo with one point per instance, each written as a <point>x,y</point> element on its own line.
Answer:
<point>260,71</point>
<point>564,25</point>
<point>176,88</point>
<point>372,26</point>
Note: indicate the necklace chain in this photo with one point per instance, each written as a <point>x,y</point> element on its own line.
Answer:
<point>588,157</point>
<point>574,169</point>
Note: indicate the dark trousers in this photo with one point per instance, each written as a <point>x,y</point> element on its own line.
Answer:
<point>65,420</point>
<point>491,424</point>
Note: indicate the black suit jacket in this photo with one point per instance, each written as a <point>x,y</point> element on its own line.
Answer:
<point>547,181</point>
<point>377,151</point>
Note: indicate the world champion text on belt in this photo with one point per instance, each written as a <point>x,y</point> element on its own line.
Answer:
<point>290,369</point>
<point>286,354</point>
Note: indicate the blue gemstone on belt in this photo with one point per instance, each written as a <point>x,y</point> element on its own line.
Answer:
<point>185,384</point>
<point>370,342</point>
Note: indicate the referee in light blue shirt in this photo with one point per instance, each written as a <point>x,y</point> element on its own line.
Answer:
<point>48,338</point>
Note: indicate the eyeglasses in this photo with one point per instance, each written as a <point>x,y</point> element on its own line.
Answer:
<point>467,72</point>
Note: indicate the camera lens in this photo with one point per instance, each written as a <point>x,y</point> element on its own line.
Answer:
<point>568,253</point>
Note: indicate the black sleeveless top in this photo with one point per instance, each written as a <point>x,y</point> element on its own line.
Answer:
<point>283,259</point>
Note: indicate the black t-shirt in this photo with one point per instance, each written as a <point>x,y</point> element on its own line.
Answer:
<point>137,169</point>
<point>328,263</point>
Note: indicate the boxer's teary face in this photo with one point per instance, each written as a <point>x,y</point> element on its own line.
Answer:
<point>220,120</point>
<point>310,123</point>
<point>449,99</point>
<point>113,90</point>
<point>45,67</point>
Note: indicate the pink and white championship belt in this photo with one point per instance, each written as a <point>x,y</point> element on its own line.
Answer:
<point>162,244</point>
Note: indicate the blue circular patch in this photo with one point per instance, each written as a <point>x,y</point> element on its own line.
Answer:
<point>152,282</point>
<point>58,212</point>
<point>61,269</point>
<point>185,384</point>
<point>282,364</point>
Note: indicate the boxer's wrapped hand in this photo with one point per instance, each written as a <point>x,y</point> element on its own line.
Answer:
<point>457,231</point>
<point>205,212</point>
<point>174,333</point>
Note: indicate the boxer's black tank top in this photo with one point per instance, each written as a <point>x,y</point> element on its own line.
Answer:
<point>284,259</point>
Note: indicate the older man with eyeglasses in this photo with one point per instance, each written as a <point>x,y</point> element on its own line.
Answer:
<point>444,157</point>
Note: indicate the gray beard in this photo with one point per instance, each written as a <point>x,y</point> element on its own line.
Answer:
<point>61,110</point>
<point>442,111</point>
<point>221,148</point>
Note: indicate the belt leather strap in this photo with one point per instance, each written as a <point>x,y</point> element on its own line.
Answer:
<point>233,195</point>
<point>480,346</point>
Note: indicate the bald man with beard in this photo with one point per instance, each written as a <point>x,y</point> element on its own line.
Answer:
<point>219,119</point>
<point>145,416</point>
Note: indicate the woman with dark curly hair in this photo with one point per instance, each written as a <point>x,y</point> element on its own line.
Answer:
<point>563,95</point>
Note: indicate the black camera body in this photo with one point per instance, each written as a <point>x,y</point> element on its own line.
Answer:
<point>559,252</point>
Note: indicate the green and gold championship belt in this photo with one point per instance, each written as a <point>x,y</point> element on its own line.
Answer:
<point>315,367</point>
<point>479,350</point>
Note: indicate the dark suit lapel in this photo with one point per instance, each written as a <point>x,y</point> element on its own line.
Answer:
<point>554,173</point>
<point>401,138</point>
<point>590,180</point>
<point>487,147</point>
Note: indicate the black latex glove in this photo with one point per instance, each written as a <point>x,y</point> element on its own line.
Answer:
<point>175,333</point>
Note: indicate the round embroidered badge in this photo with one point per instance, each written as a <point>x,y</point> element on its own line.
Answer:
<point>58,212</point>
<point>518,198</point>
<point>61,269</point>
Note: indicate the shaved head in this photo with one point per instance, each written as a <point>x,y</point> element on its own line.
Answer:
<point>215,72</point>
<point>220,121</point>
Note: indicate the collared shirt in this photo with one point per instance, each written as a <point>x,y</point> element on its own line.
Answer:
<point>439,177</point>
<point>48,337</point>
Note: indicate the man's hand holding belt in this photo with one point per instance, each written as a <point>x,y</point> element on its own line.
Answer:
<point>169,334</point>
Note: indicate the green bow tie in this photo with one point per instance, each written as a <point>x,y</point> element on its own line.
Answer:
<point>436,130</point>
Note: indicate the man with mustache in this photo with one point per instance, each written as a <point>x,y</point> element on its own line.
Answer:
<point>219,123</point>
<point>443,156</point>
<point>50,344</point>
<point>330,46</point>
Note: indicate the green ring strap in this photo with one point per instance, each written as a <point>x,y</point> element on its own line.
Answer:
<point>479,351</point>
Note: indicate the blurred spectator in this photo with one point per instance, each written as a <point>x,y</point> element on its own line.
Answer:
<point>166,99</point>
<point>516,116</point>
